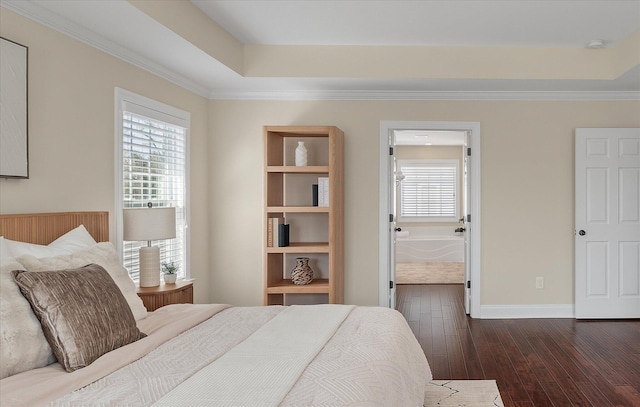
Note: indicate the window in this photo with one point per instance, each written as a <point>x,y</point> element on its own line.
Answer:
<point>428,190</point>
<point>152,157</point>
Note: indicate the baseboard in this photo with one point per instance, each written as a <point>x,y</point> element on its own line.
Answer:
<point>527,311</point>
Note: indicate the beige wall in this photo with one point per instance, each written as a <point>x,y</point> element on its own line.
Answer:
<point>527,189</point>
<point>527,170</point>
<point>71,132</point>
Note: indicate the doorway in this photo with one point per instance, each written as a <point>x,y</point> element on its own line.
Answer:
<point>430,174</point>
<point>393,135</point>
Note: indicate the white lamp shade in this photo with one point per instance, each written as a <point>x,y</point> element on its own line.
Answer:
<point>149,224</point>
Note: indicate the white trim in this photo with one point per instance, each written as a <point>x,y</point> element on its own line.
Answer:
<point>473,227</point>
<point>123,97</point>
<point>383,229</point>
<point>54,21</point>
<point>528,311</point>
<point>118,95</point>
<point>425,95</point>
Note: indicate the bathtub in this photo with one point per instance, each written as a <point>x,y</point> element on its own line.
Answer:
<point>420,245</point>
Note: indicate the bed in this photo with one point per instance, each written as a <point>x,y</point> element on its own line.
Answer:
<point>78,352</point>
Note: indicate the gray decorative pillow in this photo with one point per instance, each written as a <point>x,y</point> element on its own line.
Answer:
<point>82,312</point>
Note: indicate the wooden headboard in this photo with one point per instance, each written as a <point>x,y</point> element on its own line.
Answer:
<point>44,228</point>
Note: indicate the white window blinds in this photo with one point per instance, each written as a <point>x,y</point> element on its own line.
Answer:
<point>154,170</point>
<point>428,189</point>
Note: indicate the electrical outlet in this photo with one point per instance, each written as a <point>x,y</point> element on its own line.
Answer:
<point>539,282</point>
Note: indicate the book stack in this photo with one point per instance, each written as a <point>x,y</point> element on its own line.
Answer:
<point>323,191</point>
<point>277,232</point>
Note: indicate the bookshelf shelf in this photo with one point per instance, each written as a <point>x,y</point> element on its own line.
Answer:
<point>298,209</point>
<point>291,169</point>
<point>301,248</point>
<point>288,196</point>
<point>319,286</point>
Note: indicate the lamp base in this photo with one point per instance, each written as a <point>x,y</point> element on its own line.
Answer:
<point>149,266</point>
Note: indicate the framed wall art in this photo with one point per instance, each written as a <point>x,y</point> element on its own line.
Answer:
<point>14,143</point>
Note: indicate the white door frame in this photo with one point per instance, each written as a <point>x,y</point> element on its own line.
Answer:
<point>473,227</point>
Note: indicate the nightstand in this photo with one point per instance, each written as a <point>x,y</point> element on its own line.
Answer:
<point>155,297</point>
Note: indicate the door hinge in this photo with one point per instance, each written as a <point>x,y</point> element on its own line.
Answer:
<point>469,218</point>
<point>390,285</point>
<point>468,283</point>
<point>391,217</point>
<point>468,151</point>
<point>390,150</point>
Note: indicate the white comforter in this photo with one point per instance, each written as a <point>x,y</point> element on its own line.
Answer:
<point>373,359</point>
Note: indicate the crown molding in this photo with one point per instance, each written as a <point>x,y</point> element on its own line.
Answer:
<point>427,95</point>
<point>49,19</point>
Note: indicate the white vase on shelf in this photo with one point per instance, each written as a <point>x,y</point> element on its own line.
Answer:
<point>301,154</point>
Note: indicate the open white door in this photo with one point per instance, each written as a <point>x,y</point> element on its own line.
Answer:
<point>392,223</point>
<point>607,240</point>
<point>466,220</point>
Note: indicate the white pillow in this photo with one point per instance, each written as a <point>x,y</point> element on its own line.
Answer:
<point>23,345</point>
<point>5,252</point>
<point>74,240</point>
<point>36,250</point>
<point>103,254</point>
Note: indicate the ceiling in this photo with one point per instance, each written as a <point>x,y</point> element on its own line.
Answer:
<point>436,23</point>
<point>186,52</point>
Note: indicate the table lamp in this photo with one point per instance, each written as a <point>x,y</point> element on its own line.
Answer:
<point>147,224</point>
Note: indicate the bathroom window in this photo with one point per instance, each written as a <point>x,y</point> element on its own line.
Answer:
<point>428,190</point>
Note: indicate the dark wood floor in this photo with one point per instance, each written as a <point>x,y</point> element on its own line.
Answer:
<point>535,362</point>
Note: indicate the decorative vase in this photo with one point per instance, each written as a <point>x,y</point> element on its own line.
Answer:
<point>302,274</point>
<point>301,154</point>
<point>170,278</point>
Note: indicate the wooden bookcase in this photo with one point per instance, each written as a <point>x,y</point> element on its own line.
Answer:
<point>316,232</point>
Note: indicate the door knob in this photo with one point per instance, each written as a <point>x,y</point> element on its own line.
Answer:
<point>398,229</point>
<point>582,233</point>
